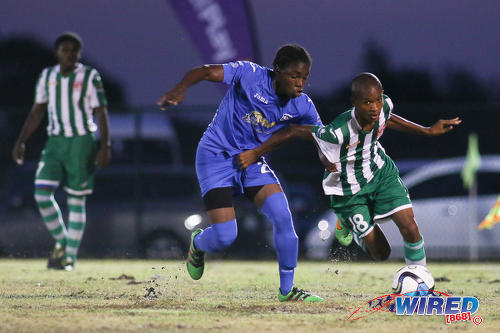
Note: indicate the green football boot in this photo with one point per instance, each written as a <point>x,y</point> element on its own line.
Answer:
<point>196,259</point>
<point>343,235</point>
<point>299,295</point>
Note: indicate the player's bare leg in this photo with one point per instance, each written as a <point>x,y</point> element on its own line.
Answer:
<point>413,240</point>
<point>407,225</point>
<point>221,215</point>
<point>377,245</point>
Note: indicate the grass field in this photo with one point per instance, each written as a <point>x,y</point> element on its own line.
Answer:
<point>154,296</point>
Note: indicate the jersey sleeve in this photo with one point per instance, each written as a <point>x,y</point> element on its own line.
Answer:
<point>41,88</point>
<point>388,106</point>
<point>325,133</point>
<point>96,90</point>
<point>235,71</point>
<point>310,116</point>
<point>329,140</point>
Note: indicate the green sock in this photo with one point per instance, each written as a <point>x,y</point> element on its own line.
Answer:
<point>76,225</point>
<point>51,215</point>
<point>415,252</point>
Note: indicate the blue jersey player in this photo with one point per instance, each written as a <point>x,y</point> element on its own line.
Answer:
<point>259,102</point>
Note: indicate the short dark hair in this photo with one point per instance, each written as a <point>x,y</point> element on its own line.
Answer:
<point>363,81</point>
<point>291,54</point>
<point>68,36</point>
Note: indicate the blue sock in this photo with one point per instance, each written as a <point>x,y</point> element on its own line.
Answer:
<point>286,279</point>
<point>286,242</point>
<point>216,237</point>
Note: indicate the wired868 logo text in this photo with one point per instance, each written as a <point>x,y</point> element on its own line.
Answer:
<point>453,309</point>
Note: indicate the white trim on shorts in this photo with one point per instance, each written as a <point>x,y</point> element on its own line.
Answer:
<point>367,231</point>
<point>47,182</point>
<point>397,209</point>
<point>74,192</point>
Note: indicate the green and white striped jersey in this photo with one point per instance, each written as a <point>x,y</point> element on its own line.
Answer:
<point>356,153</point>
<point>70,99</point>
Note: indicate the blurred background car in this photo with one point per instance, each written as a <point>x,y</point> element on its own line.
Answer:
<point>446,215</point>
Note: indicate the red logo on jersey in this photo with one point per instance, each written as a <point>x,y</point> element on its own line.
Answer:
<point>78,85</point>
<point>381,131</point>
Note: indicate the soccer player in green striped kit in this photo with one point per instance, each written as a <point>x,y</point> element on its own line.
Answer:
<point>71,93</point>
<point>362,181</point>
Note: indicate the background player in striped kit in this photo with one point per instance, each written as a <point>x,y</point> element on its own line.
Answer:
<point>72,93</point>
<point>361,180</point>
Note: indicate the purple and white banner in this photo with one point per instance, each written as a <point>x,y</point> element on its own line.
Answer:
<point>221,29</point>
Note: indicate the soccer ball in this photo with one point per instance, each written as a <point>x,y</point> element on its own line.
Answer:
<point>413,280</point>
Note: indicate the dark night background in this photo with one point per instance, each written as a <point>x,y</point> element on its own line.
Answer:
<point>436,60</point>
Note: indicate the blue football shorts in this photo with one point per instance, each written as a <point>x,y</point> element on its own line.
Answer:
<point>219,169</point>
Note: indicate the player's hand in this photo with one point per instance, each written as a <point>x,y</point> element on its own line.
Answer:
<point>18,153</point>
<point>103,156</point>
<point>444,126</point>
<point>172,97</point>
<point>330,167</point>
<point>247,158</point>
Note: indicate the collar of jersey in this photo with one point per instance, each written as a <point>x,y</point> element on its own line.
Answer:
<point>79,66</point>
<point>271,93</point>
<point>270,89</point>
<point>355,121</point>
<point>357,125</point>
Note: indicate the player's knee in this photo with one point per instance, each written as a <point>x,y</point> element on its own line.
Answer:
<point>276,209</point>
<point>226,233</point>
<point>43,195</point>
<point>226,239</point>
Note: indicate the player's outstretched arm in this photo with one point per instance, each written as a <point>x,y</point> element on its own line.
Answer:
<point>440,127</point>
<point>213,73</point>
<point>30,125</point>
<point>247,158</point>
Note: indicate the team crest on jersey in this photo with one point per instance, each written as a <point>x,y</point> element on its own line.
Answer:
<point>286,116</point>
<point>258,122</point>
